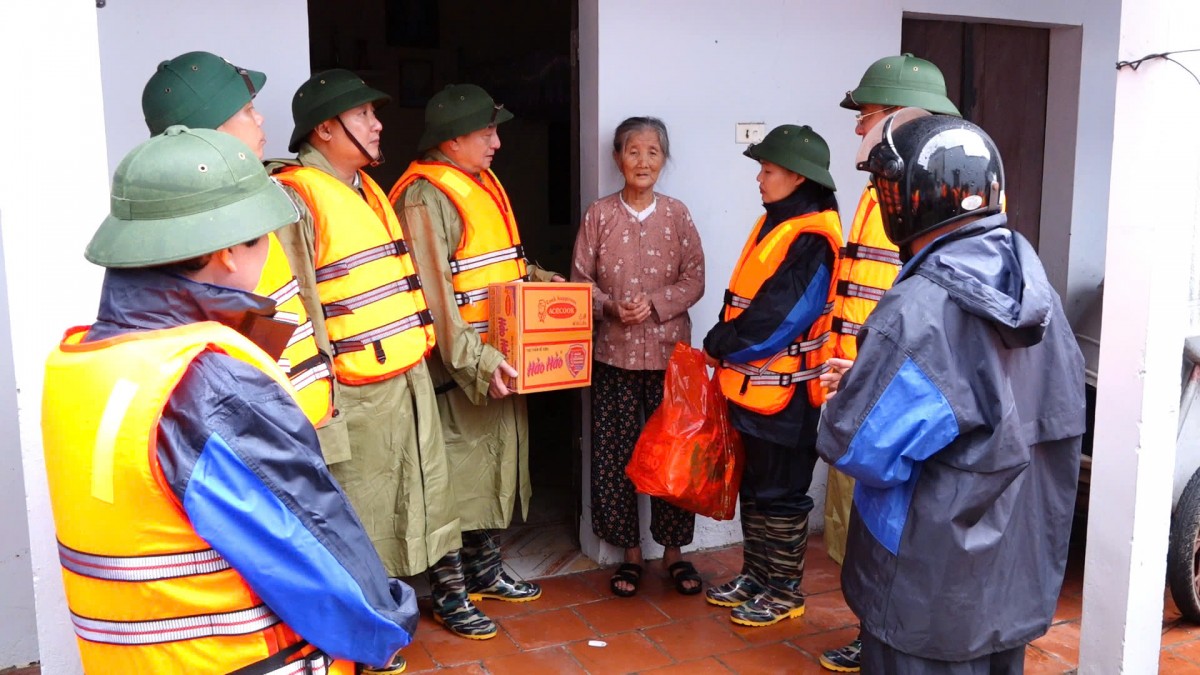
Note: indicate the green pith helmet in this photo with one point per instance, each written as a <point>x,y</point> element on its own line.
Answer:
<point>904,81</point>
<point>185,193</point>
<point>798,149</point>
<point>457,110</point>
<point>327,95</point>
<point>197,89</point>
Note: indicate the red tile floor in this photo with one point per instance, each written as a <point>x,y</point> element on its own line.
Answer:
<point>659,631</point>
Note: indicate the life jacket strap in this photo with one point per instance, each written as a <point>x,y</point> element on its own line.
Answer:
<point>458,266</point>
<point>240,622</point>
<point>798,348</point>
<point>470,297</point>
<point>864,252</point>
<point>346,306</point>
<point>285,292</point>
<point>768,378</point>
<point>734,300</point>
<point>357,343</point>
<point>852,290</point>
<point>315,663</point>
<point>340,268</point>
<point>141,568</point>
<point>844,327</point>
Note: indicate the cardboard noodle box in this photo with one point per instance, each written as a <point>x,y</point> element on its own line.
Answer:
<point>545,331</point>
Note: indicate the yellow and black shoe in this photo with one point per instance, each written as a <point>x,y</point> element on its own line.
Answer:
<point>485,575</point>
<point>739,590</point>
<point>781,600</point>
<point>451,606</point>
<point>843,659</point>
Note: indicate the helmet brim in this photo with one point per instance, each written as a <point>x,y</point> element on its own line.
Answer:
<point>901,97</point>
<point>334,107</point>
<point>789,161</point>
<point>120,243</point>
<point>433,136</point>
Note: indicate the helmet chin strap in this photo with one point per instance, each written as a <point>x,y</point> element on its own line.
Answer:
<point>372,161</point>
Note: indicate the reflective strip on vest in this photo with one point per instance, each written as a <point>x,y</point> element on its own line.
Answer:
<point>309,371</point>
<point>348,305</point>
<point>287,317</point>
<point>798,348</point>
<point>315,665</point>
<point>242,622</point>
<point>734,300</point>
<point>288,291</point>
<point>141,568</point>
<point>340,268</point>
<point>475,262</point>
<point>864,252</point>
<point>474,296</point>
<point>844,327</point>
<point>764,377</point>
<point>357,343</point>
<point>853,290</point>
<point>303,332</point>
<point>480,327</point>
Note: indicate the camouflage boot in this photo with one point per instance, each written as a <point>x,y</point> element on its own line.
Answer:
<point>451,606</point>
<point>750,582</point>
<point>785,543</point>
<point>486,577</point>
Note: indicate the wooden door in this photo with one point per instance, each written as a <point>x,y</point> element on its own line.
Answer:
<point>997,76</point>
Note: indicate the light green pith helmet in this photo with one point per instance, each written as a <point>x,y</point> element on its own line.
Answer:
<point>798,149</point>
<point>458,110</point>
<point>904,81</point>
<point>185,193</point>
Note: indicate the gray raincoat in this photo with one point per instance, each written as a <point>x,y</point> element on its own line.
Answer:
<point>961,421</point>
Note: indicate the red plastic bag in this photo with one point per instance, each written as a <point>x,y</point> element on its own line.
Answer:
<point>689,454</point>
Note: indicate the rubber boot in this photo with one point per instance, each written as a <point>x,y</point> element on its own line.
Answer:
<point>785,543</point>
<point>750,582</point>
<point>451,606</point>
<point>485,574</point>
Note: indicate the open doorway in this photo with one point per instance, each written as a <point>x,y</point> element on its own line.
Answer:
<point>522,54</point>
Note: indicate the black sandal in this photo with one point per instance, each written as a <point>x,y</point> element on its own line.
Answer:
<point>684,571</point>
<point>630,573</point>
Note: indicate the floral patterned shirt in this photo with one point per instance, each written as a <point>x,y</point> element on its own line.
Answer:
<point>622,258</point>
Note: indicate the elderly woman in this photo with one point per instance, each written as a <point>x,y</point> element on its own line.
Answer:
<point>640,251</point>
<point>772,343</point>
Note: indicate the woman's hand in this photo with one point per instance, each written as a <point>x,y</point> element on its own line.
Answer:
<point>633,312</point>
<point>832,378</point>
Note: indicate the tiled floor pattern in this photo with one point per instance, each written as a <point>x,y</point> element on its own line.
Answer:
<point>659,631</point>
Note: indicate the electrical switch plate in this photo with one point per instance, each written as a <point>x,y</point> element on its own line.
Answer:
<point>750,132</point>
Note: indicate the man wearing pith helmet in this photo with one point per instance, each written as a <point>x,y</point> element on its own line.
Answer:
<point>868,266</point>
<point>203,90</point>
<point>464,235</point>
<point>231,520</point>
<point>358,282</point>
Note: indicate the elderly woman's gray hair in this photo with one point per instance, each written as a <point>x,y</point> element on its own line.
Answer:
<point>636,124</point>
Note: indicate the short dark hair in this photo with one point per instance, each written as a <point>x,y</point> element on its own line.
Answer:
<point>635,124</point>
<point>187,268</point>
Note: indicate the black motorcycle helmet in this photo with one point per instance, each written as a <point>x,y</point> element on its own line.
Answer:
<point>933,171</point>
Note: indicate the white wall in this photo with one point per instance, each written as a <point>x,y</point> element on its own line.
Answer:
<point>61,115</point>
<point>703,65</point>
<point>52,195</point>
<point>136,35</point>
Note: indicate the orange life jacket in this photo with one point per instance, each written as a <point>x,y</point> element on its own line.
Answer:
<point>375,311</point>
<point>868,266</point>
<point>146,593</point>
<point>305,366</point>
<point>766,385</point>
<point>490,250</point>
